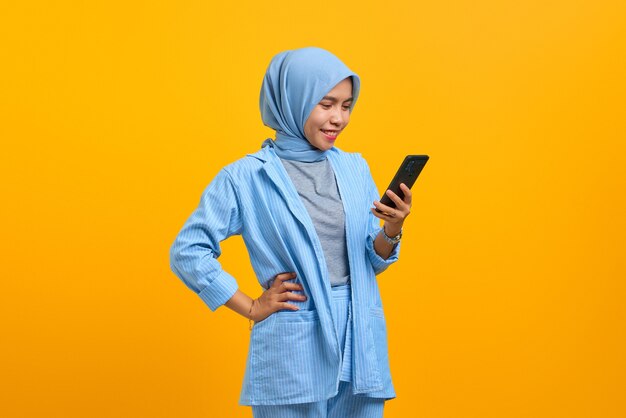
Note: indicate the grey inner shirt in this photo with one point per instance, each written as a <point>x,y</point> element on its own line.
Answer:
<point>317,187</point>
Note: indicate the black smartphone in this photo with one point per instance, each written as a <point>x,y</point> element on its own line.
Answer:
<point>408,172</point>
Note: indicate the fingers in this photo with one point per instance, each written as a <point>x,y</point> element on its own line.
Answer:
<point>395,198</point>
<point>394,217</point>
<point>280,282</point>
<point>408,196</point>
<point>387,218</point>
<point>277,297</point>
<point>285,276</point>
<point>291,296</point>
<point>401,203</point>
<point>380,215</point>
<point>291,286</point>
<point>402,209</point>
<point>386,210</point>
<point>281,288</point>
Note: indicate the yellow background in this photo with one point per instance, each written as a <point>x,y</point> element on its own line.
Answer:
<point>509,297</point>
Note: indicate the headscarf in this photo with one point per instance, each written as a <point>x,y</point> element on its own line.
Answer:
<point>294,83</point>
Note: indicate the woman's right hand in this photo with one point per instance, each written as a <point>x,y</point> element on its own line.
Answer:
<point>275,297</point>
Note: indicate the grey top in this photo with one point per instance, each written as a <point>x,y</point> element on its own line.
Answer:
<point>317,187</point>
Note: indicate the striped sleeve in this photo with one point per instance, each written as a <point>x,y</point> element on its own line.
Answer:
<point>194,253</point>
<point>378,263</point>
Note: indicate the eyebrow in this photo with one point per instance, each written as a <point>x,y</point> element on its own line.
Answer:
<point>334,99</point>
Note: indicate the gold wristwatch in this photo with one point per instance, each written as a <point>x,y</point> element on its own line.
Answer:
<point>392,240</point>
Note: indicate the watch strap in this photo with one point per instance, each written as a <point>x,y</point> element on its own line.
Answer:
<point>392,240</point>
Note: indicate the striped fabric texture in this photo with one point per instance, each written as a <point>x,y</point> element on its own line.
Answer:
<point>342,314</point>
<point>294,356</point>
<point>344,405</point>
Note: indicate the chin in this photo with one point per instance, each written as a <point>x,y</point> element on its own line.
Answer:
<point>324,145</point>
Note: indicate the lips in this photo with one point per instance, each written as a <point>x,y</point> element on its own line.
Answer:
<point>330,134</point>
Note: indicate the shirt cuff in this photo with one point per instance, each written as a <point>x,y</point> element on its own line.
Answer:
<point>219,291</point>
<point>378,263</point>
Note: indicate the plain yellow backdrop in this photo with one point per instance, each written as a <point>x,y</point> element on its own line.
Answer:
<point>508,300</point>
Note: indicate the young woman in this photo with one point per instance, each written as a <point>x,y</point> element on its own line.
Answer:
<point>318,347</point>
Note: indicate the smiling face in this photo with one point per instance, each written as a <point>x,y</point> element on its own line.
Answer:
<point>330,116</point>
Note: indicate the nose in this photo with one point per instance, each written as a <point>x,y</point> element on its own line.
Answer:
<point>336,118</point>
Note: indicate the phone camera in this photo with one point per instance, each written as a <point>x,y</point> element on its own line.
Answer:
<point>410,168</point>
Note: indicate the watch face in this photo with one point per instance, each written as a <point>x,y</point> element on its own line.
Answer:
<point>392,240</point>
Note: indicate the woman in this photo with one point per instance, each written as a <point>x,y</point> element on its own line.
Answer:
<point>303,207</point>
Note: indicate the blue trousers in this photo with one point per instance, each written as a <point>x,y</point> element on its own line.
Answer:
<point>344,404</point>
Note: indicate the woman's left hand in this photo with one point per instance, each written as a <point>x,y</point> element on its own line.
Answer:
<point>394,217</point>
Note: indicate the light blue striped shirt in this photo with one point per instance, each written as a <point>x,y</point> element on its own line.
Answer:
<point>294,356</point>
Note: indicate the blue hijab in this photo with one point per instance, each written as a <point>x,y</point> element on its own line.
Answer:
<point>294,83</point>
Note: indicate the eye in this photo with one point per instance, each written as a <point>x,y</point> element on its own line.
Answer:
<point>345,107</point>
<point>325,105</point>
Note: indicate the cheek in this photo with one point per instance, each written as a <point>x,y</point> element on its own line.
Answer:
<point>309,132</point>
<point>307,129</point>
<point>311,125</point>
